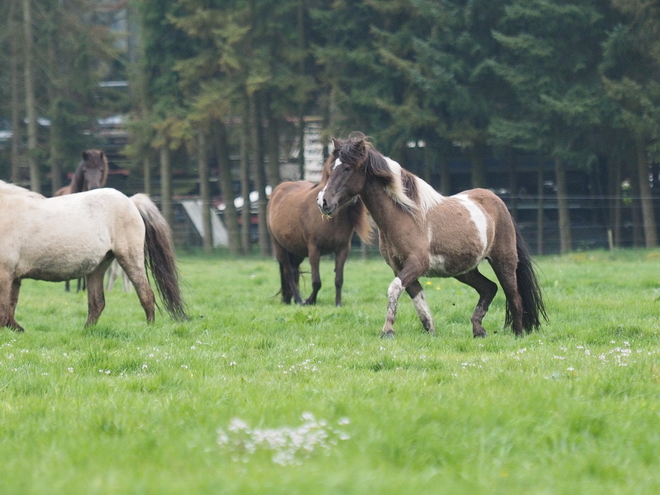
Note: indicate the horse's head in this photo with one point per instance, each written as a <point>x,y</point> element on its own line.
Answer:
<point>345,173</point>
<point>93,169</point>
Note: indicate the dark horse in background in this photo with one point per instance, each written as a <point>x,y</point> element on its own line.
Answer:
<point>423,233</point>
<point>92,173</point>
<point>299,230</point>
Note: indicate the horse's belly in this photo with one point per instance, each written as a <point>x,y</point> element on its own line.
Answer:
<point>450,266</point>
<point>59,269</point>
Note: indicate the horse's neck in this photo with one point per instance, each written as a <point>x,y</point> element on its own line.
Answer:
<point>382,207</point>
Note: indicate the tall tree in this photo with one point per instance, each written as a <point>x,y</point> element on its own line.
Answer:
<point>30,97</point>
<point>631,70</point>
<point>550,52</point>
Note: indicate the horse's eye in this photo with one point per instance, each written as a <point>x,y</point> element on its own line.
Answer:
<point>347,168</point>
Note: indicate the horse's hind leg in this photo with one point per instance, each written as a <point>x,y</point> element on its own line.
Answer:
<point>416,293</point>
<point>487,290</point>
<point>340,261</point>
<point>289,274</point>
<point>314,261</point>
<point>95,295</point>
<point>134,269</point>
<point>506,274</point>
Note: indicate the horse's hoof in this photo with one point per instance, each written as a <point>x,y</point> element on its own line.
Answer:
<point>479,335</point>
<point>387,335</point>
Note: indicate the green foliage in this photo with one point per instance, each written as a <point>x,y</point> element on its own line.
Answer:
<point>126,407</point>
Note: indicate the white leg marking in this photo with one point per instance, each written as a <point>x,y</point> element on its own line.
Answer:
<point>393,293</point>
<point>423,312</point>
<point>478,217</point>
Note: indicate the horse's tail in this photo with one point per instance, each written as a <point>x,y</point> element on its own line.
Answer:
<point>159,255</point>
<point>360,218</point>
<point>528,287</point>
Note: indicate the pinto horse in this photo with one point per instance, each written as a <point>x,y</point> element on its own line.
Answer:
<point>78,235</point>
<point>423,233</point>
<point>298,231</point>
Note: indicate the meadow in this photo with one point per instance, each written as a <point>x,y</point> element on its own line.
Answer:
<point>252,396</point>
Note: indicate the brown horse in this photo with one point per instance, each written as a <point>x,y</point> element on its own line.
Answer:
<point>425,234</point>
<point>298,231</point>
<point>78,235</point>
<point>92,173</point>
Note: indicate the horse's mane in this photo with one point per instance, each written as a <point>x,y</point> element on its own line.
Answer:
<point>406,189</point>
<point>7,188</point>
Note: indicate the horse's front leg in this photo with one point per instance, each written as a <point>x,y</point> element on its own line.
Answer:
<point>8,299</point>
<point>416,293</point>
<point>340,261</point>
<point>411,271</point>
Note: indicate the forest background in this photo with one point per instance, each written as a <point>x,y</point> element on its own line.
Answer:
<point>564,95</point>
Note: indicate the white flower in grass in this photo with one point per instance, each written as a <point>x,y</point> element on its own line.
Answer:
<point>289,444</point>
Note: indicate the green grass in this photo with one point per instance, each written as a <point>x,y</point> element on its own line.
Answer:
<point>125,407</point>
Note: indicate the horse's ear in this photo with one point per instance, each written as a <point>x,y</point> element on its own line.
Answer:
<point>361,146</point>
<point>101,154</point>
<point>84,155</point>
<point>335,143</point>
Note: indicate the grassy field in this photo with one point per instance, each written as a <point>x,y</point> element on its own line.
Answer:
<point>251,396</point>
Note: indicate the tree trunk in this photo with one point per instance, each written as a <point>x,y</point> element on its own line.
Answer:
<point>565,240</point>
<point>272,146</point>
<point>146,174</point>
<point>478,165</point>
<point>513,183</point>
<point>445,177</point>
<point>55,160</point>
<point>540,208</point>
<point>16,127</point>
<point>635,207</point>
<point>227,188</point>
<point>30,102</point>
<point>204,192</point>
<point>615,205</point>
<point>259,173</point>
<point>166,206</point>
<point>245,181</point>
<point>646,199</point>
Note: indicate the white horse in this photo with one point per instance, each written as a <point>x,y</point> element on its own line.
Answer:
<point>78,235</point>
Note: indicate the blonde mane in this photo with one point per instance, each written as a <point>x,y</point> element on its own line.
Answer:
<point>410,191</point>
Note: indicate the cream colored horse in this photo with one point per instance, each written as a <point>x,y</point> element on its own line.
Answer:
<point>78,235</point>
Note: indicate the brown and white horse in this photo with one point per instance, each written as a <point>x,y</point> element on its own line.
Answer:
<point>78,235</point>
<point>298,231</point>
<point>425,234</point>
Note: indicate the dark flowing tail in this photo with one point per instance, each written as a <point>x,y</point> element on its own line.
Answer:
<point>528,288</point>
<point>159,256</point>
